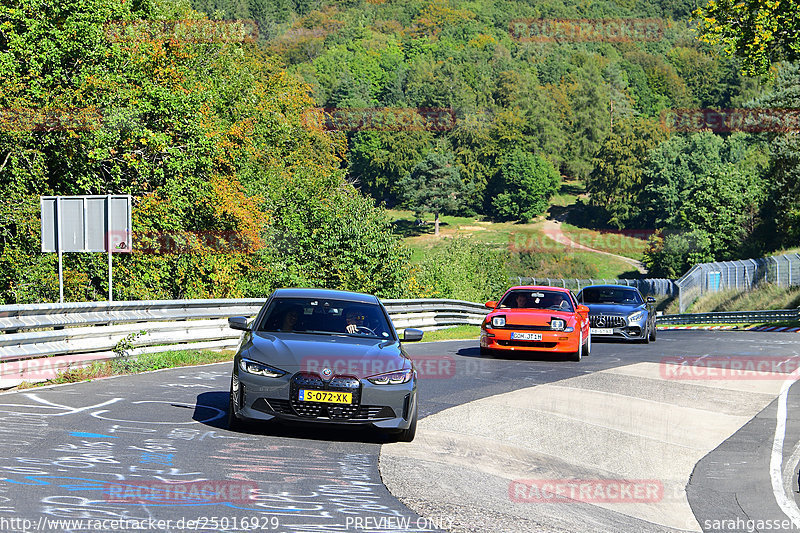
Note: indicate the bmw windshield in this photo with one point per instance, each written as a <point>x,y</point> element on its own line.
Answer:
<point>325,316</point>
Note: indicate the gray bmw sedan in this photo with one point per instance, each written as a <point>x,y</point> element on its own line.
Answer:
<point>324,356</point>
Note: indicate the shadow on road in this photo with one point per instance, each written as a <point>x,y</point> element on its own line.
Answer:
<point>209,401</point>
<point>511,356</point>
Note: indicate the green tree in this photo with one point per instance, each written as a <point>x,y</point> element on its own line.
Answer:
<point>201,132</point>
<point>781,212</point>
<point>673,255</point>
<point>617,181</point>
<point>523,185</point>
<point>434,186</point>
<point>463,269</point>
<point>761,33</point>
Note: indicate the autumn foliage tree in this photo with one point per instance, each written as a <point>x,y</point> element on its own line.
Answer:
<point>207,133</point>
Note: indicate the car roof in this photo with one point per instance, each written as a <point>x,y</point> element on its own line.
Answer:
<point>356,297</point>
<point>610,287</point>
<point>538,288</point>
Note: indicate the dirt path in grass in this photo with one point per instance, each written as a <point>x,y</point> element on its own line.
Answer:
<point>552,228</point>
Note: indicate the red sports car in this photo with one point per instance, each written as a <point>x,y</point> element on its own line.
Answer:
<point>537,319</point>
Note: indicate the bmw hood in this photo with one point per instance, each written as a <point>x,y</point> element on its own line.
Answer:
<point>614,309</point>
<point>345,355</point>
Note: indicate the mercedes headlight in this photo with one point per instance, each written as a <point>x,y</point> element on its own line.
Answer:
<point>260,369</point>
<point>635,317</point>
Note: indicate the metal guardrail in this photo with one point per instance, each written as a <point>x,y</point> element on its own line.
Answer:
<point>732,317</point>
<point>39,340</point>
<point>54,337</point>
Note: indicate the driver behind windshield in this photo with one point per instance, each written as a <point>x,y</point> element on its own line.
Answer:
<point>354,319</point>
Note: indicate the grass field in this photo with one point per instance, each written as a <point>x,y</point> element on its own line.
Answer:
<point>135,365</point>
<point>456,333</point>
<point>502,235</point>
<point>615,242</point>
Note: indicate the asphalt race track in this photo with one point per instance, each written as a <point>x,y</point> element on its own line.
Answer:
<point>151,452</point>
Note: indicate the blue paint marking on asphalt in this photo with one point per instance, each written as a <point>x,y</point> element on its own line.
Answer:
<point>91,435</point>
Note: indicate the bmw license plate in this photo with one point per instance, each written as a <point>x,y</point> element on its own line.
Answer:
<point>602,331</point>
<point>525,336</point>
<point>324,396</point>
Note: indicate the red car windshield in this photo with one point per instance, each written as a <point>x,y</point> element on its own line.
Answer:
<point>537,299</point>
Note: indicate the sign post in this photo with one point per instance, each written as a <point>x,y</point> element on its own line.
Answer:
<point>86,224</point>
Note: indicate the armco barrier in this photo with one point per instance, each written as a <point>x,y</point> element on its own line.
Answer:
<point>732,317</point>
<point>58,336</point>
<point>76,334</point>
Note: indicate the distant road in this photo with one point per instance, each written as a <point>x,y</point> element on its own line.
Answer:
<point>552,228</point>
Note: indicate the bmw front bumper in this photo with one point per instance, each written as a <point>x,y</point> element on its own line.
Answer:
<point>382,406</point>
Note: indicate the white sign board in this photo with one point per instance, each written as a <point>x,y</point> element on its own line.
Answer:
<point>86,224</point>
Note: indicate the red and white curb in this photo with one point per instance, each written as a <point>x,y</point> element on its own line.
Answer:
<point>776,329</point>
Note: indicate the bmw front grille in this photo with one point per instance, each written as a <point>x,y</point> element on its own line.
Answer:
<point>325,410</point>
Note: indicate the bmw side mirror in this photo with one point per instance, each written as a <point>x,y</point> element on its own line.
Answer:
<point>412,335</point>
<point>238,322</point>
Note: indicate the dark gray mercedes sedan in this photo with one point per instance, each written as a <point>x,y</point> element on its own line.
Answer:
<point>315,355</point>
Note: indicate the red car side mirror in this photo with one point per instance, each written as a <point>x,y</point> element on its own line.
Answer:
<point>491,305</point>
<point>583,309</point>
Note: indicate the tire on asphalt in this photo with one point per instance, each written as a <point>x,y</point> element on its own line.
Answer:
<point>576,356</point>
<point>407,435</point>
<point>234,423</point>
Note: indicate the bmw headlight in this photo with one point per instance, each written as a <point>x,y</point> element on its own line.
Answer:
<point>392,378</point>
<point>260,369</point>
<point>635,317</point>
<point>558,324</point>
<point>499,321</point>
